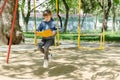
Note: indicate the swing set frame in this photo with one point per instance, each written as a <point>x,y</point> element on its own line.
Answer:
<point>57,39</point>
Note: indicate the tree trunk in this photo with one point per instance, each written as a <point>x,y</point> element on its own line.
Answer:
<point>106,10</point>
<point>26,18</point>
<point>67,14</point>
<point>114,16</point>
<point>5,24</point>
<point>96,17</point>
<point>105,17</point>
<point>84,16</point>
<point>105,22</point>
<point>60,20</point>
<point>107,13</point>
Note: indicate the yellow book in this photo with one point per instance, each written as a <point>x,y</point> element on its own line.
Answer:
<point>46,33</point>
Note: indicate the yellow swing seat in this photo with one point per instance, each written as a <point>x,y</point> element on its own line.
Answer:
<point>45,33</point>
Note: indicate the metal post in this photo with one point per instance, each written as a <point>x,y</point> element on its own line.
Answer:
<point>58,35</point>
<point>79,31</point>
<point>35,37</point>
<point>12,30</point>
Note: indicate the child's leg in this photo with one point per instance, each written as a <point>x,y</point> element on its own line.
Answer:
<point>40,46</point>
<point>46,47</point>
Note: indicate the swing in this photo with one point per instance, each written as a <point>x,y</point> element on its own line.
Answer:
<point>3,6</point>
<point>102,35</point>
<point>46,33</point>
<point>12,30</point>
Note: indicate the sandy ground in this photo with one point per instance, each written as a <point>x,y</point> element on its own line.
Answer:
<point>66,64</point>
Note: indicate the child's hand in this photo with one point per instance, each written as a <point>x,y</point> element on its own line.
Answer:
<point>54,33</point>
<point>35,32</point>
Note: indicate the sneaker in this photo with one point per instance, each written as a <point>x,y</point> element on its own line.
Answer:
<point>45,63</point>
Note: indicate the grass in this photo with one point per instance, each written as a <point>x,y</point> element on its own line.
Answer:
<point>113,36</point>
<point>109,36</point>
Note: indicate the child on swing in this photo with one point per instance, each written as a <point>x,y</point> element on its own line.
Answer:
<point>46,42</point>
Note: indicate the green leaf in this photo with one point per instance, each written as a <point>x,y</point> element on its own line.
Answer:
<point>116,1</point>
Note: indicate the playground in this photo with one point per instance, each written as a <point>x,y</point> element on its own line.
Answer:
<point>84,48</point>
<point>67,63</point>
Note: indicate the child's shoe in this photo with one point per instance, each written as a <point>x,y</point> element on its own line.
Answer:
<point>45,63</point>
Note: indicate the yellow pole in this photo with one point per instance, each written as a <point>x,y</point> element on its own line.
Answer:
<point>103,33</point>
<point>103,37</point>
<point>58,35</point>
<point>101,41</point>
<point>35,37</point>
<point>79,9</point>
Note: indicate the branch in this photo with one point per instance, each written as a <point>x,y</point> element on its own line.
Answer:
<point>22,8</point>
<point>28,14</point>
<point>23,13</point>
<point>60,21</point>
<point>100,4</point>
<point>37,6</point>
<point>109,6</point>
<point>66,5</point>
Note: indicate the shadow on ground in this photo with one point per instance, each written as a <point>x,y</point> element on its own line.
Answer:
<point>66,64</point>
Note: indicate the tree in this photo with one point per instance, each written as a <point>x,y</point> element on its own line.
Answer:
<point>114,15</point>
<point>52,6</point>
<point>114,5</point>
<point>67,14</point>
<point>5,24</point>
<point>26,15</point>
<point>105,6</point>
<point>26,18</point>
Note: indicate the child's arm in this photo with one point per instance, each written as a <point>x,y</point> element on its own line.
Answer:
<point>40,27</point>
<point>54,29</point>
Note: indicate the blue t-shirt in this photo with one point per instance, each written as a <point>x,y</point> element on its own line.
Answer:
<point>47,25</point>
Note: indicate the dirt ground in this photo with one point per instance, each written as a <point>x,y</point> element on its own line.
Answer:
<point>66,64</point>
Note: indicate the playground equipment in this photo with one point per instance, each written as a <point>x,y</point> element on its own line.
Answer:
<point>12,30</point>
<point>102,36</point>
<point>79,9</point>
<point>46,33</point>
<point>57,39</point>
<point>3,6</point>
<point>35,37</point>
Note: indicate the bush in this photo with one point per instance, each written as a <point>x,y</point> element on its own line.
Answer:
<point>109,36</point>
